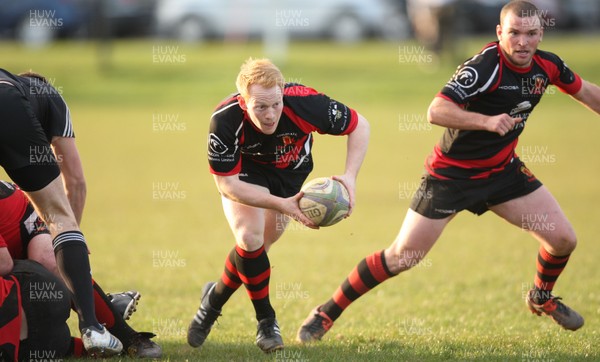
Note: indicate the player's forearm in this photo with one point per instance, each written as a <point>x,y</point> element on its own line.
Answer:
<point>358,142</point>
<point>244,193</point>
<point>589,96</point>
<point>444,113</point>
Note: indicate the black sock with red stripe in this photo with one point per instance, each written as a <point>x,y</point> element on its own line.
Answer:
<point>254,271</point>
<point>549,268</point>
<point>111,319</point>
<point>370,272</point>
<point>228,284</point>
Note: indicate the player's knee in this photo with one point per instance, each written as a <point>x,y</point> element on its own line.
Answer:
<point>563,243</point>
<point>403,259</point>
<point>48,261</point>
<point>249,240</point>
<point>567,243</point>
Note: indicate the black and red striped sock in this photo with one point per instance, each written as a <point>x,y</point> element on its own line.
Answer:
<point>549,268</point>
<point>370,272</point>
<point>254,271</point>
<point>228,284</point>
<point>108,316</point>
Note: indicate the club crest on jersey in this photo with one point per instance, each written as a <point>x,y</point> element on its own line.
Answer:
<point>288,140</point>
<point>466,77</point>
<point>535,85</point>
<point>216,145</point>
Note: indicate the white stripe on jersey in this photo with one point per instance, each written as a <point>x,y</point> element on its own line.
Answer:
<point>307,149</point>
<point>237,138</point>
<point>68,130</point>
<point>5,82</point>
<point>224,108</point>
<point>489,82</point>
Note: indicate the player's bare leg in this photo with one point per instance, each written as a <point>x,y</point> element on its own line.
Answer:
<point>416,237</point>
<point>72,259</point>
<point>540,214</point>
<point>40,249</point>
<point>275,225</point>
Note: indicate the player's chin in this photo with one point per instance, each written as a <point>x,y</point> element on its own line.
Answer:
<point>268,127</point>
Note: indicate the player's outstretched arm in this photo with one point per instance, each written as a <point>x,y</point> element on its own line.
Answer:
<point>445,113</point>
<point>72,173</point>
<point>589,96</point>
<point>234,189</point>
<point>356,150</point>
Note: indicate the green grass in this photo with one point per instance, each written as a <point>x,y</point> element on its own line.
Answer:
<point>465,302</point>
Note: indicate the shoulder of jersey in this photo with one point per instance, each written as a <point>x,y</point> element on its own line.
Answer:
<point>548,56</point>
<point>298,90</point>
<point>228,106</point>
<point>487,58</point>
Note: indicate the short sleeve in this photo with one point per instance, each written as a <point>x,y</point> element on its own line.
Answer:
<point>327,115</point>
<point>224,140</point>
<point>474,77</point>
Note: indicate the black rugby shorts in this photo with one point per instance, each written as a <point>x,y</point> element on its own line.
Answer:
<point>280,182</point>
<point>437,198</point>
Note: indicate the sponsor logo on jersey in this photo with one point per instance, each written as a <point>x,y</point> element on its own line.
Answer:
<point>336,114</point>
<point>509,87</point>
<point>523,106</point>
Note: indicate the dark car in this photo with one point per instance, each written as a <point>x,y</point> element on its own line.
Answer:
<point>40,21</point>
<point>119,18</point>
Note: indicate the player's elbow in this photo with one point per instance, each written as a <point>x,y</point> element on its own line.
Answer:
<point>225,186</point>
<point>433,114</point>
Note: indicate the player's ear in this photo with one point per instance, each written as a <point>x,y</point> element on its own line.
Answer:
<point>242,102</point>
<point>499,31</point>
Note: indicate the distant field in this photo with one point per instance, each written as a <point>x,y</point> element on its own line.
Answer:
<point>154,223</point>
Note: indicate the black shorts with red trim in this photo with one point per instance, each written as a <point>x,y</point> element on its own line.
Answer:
<point>280,182</point>
<point>437,198</point>
<point>25,153</point>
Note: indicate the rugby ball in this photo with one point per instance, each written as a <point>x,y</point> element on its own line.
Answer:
<point>326,201</point>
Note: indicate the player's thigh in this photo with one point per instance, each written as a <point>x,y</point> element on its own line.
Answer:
<point>53,207</point>
<point>246,222</point>
<point>416,237</point>
<point>275,225</point>
<point>539,213</point>
<point>40,250</point>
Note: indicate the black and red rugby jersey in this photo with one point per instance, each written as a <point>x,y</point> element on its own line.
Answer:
<point>488,84</point>
<point>10,318</point>
<point>13,207</point>
<point>234,139</point>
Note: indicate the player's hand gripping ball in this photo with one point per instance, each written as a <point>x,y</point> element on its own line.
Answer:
<point>326,201</point>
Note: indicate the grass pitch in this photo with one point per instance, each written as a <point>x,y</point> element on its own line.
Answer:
<point>154,223</point>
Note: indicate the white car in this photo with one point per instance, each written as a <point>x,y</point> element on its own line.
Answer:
<point>340,20</point>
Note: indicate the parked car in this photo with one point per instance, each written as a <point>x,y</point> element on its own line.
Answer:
<point>340,20</point>
<point>40,21</point>
<point>120,18</point>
